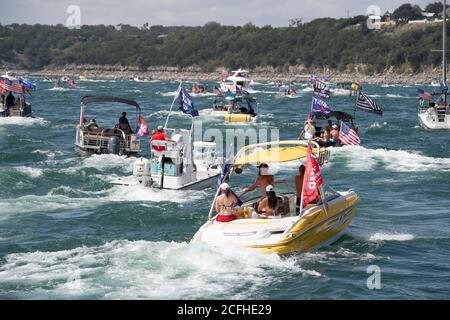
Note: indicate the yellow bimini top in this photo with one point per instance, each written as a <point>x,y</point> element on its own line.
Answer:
<point>273,152</point>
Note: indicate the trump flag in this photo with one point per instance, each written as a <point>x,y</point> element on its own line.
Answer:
<point>312,181</point>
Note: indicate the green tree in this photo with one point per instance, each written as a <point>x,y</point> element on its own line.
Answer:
<point>407,12</point>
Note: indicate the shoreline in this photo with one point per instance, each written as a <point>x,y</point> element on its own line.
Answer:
<point>258,74</point>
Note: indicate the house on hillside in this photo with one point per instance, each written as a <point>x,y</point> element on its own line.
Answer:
<point>387,20</point>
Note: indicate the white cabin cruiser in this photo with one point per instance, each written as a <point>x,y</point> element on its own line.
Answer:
<point>239,78</point>
<point>436,116</point>
<point>177,165</point>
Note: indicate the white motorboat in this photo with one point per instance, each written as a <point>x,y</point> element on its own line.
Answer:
<point>290,228</point>
<point>176,165</point>
<point>436,116</point>
<point>239,78</point>
<point>230,108</point>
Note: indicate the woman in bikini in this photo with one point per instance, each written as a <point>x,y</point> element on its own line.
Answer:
<point>269,205</point>
<point>226,204</point>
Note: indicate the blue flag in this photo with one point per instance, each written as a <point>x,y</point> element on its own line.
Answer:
<point>241,91</point>
<point>444,87</point>
<point>224,177</point>
<point>27,84</point>
<point>186,102</point>
<point>319,105</point>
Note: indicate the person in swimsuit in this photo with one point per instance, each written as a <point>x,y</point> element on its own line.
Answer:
<point>269,205</point>
<point>334,139</point>
<point>325,139</point>
<point>225,204</point>
<point>264,179</point>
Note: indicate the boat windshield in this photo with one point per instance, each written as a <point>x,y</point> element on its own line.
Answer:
<point>282,187</point>
<point>329,193</point>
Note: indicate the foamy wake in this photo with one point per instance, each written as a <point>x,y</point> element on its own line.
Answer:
<point>32,172</point>
<point>58,89</point>
<point>147,270</point>
<point>24,121</point>
<point>102,162</point>
<point>340,92</point>
<point>361,159</point>
<point>167,94</point>
<point>377,125</point>
<point>378,237</point>
<point>68,198</point>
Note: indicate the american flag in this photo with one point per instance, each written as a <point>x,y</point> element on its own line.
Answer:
<point>425,95</point>
<point>10,85</point>
<point>366,103</point>
<point>348,136</point>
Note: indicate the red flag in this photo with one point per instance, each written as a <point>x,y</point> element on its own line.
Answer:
<point>313,179</point>
<point>26,90</point>
<point>142,129</point>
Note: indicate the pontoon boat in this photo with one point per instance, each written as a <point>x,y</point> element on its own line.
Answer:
<point>18,107</point>
<point>94,139</point>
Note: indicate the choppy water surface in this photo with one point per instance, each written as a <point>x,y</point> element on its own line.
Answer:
<point>66,232</point>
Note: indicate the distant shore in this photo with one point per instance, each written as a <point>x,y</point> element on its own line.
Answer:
<point>258,75</point>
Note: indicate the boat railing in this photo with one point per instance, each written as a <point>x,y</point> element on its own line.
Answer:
<point>169,151</point>
<point>100,139</point>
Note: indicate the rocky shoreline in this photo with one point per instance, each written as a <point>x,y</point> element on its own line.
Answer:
<point>266,74</point>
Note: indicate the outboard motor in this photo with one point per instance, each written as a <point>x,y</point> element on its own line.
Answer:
<point>114,145</point>
<point>142,172</point>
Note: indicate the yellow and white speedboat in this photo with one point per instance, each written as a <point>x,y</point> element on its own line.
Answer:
<point>318,224</point>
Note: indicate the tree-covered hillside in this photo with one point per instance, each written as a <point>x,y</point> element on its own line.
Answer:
<point>334,43</point>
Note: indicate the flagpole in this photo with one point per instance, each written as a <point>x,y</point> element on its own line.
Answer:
<point>224,175</point>
<point>356,101</point>
<point>173,102</point>
<point>303,185</point>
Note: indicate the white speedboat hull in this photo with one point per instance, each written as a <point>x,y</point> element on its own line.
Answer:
<point>203,181</point>
<point>430,121</point>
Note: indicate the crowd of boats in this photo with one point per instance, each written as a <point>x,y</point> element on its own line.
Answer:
<point>271,215</point>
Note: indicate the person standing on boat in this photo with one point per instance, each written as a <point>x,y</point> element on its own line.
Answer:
<point>10,100</point>
<point>264,179</point>
<point>160,136</point>
<point>309,129</point>
<point>299,186</point>
<point>225,204</point>
<point>124,125</point>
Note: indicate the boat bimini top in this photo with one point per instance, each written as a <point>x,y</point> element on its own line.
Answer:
<point>105,99</point>
<point>276,152</point>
